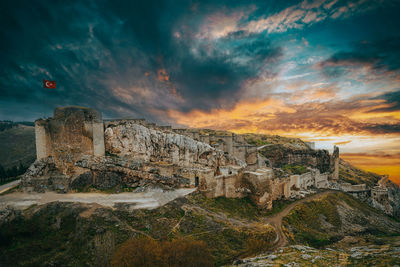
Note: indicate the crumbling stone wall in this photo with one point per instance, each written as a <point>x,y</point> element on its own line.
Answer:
<point>70,134</point>
<point>231,144</point>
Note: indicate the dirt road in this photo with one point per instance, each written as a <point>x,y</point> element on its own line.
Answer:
<point>145,200</point>
<point>276,220</point>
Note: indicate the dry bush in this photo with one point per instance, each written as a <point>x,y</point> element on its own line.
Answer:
<point>257,245</point>
<point>181,252</point>
<point>138,252</point>
<point>148,252</point>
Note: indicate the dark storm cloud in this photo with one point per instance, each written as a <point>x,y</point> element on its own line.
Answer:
<point>108,55</point>
<point>382,56</point>
<point>214,78</point>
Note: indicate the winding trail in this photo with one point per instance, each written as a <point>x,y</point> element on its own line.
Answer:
<point>276,219</point>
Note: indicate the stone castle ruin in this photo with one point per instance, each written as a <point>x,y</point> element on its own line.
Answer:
<point>77,150</point>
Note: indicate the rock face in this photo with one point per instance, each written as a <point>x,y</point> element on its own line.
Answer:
<point>44,175</point>
<point>229,143</point>
<point>137,142</point>
<point>280,156</point>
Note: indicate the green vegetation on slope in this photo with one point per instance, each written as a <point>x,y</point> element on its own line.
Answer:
<point>70,234</point>
<point>326,220</point>
<point>350,174</point>
<point>294,169</point>
<point>305,218</point>
<point>4,125</point>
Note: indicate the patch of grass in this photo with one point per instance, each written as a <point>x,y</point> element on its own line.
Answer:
<point>295,169</point>
<point>277,206</point>
<point>318,223</point>
<point>233,207</point>
<point>56,234</point>
<point>305,221</point>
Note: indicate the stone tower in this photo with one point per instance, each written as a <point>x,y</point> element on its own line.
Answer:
<point>72,132</point>
<point>335,164</point>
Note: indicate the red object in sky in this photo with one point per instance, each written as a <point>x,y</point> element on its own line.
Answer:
<point>49,84</point>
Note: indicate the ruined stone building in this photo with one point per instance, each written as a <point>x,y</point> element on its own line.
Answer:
<point>76,149</point>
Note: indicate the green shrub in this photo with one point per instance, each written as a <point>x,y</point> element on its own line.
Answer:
<point>295,169</point>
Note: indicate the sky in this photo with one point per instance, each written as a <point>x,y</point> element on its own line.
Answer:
<point>324,71</point>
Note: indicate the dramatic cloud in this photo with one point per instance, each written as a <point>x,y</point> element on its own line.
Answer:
<point>379,58</point>
<point>297,16</point>
<point>126,58</point>
<point>273,116</point>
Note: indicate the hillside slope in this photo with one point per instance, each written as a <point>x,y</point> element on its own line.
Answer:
<point>353,175</point>
<point>17,145</point>
<point>333,217</point>
<point>71,234</point>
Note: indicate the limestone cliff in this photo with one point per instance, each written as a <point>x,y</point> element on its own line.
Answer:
<point>134,141</point>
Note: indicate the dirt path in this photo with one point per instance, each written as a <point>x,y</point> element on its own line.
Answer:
<point>145,200</point>
<point>276,220</point>
<point>8,186</point>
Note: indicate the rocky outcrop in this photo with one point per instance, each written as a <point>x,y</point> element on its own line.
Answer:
<point>137,142</point>
<point>43,175</point>
<point>108,172</point>
<point>102,173</point>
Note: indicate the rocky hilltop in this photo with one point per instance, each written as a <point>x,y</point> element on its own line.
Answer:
<point>77,150</point>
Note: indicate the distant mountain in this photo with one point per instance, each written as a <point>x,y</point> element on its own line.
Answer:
<point>4,125</point>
